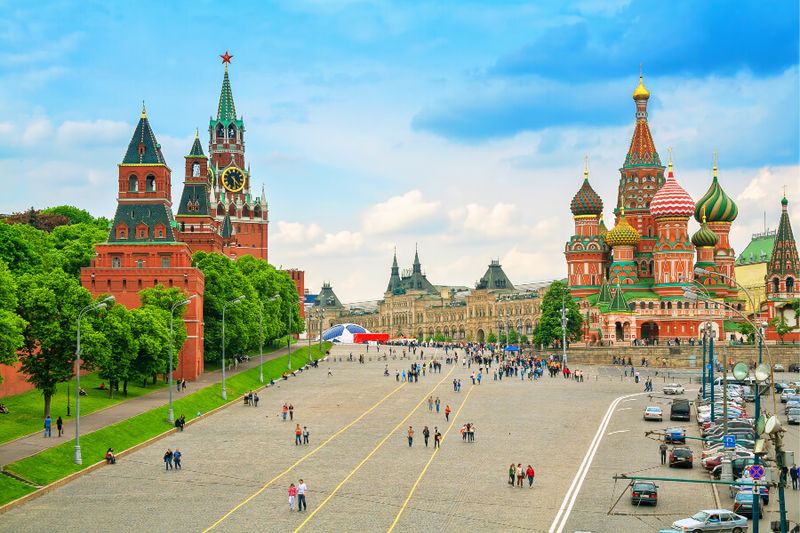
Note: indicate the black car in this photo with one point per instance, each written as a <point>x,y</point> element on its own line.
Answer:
<point>644,493</point>
<point>794,367</point>
<point>679,410</point>
<point>681,456</point>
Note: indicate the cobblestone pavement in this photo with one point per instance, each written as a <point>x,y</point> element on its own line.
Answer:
<point>360,470</point>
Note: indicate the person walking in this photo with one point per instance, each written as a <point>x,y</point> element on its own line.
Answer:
<point>285,411</point>
<point>794,473</point>
<point>663,449</point>
<point>47,426</point>
<point>425,434</point>
<point>255,399</point>
<point>176,458</point>
<point>291,412</point>
<point>297,435</point>
<point>520,475</point>
<point>168,460</point>
<point>529,472</point>
<point>430,403</point>
<point>447,413</point>
<point>292,496</point>
<point>410,436</point>
<point>60,426</point>
<point>512,470</point>
<point>305,435</point>
<point>302,490</point>
<point>438,403</point>
<point>437,437</point>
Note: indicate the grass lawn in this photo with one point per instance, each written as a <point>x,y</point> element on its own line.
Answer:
<point>57,462</point>
<point>27,409</point>
<point>11,489</point>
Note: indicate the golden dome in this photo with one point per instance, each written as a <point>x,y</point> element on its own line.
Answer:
<point>641,92</point>
<point>623,233</point>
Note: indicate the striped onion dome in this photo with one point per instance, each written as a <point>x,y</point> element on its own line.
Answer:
<point>586,201</point>
<point>717,206</point>
<point>704,237</point>
<point>623,233</point>
<point>671,200</point>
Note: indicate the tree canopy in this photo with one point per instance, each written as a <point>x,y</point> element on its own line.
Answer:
<point>548,331</point>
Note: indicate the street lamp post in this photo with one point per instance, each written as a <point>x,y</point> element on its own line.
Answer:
<point>289,336</point>
<point>99,305</point>
<point>171,317</point>
<point>224,307</point>
<point>564,321</point>
<point>321,313</point>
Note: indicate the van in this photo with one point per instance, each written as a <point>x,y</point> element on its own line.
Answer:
<point>680,410</point>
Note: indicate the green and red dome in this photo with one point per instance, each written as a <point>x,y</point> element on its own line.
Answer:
<point>586,201</point>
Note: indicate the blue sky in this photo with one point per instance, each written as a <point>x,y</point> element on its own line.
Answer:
<point>458,125</point>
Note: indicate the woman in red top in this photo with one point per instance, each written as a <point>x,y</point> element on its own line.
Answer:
<point>529,473</point>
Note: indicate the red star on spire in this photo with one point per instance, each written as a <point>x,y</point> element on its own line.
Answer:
<point>226,58</point>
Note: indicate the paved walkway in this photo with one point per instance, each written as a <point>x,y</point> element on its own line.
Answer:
<point>32,444</point>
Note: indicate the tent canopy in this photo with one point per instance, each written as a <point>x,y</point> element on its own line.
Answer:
<point>511,349</point>
<point>342,333</point>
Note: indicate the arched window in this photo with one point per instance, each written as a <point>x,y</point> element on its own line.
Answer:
<point>245,212</point>
<point>221,210</point>
<point>257,211</point>
<point>231,132</point>
<point>776,285</point>
<point>680,305</point>
<point>649,305</point>
<point>232,210</point>
<point>151,183</point>
<point>669,305</point>
<point>133,184</point>
<point>220,131</point>
<point>789,284</point>
<point>116,262</point>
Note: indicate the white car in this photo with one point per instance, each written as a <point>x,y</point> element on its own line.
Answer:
<point>712,520</point>
<point>673,388</point>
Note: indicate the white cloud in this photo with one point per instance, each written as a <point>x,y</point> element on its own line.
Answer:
<point>399,212</point>
<point>104,131</point>
<point>296,232</point>
<point>496,221</point>
<point>341,242</point>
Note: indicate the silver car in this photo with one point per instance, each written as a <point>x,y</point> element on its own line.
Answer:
<point>673,388</point>
<point>712,520</point>
<point>794,415</point>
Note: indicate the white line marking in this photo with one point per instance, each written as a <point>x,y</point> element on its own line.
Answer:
<point>624,409</point>
<point>569,498</point>
<point>619,431</point>
<point>631,399</point>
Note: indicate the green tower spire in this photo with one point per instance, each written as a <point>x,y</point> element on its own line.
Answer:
<point>226,110</point>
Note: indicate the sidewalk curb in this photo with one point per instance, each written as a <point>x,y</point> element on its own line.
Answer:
<point>91,468</point>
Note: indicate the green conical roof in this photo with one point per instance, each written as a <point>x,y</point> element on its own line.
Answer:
<point>604,296</point>
<point>494,278</point>
<point>226,110</point>
<point>618,302</point>
<point>395,283</point>
<point>784,254</point>
<point>143,148</point>
<point>197,148</point>
<point>227,227</point>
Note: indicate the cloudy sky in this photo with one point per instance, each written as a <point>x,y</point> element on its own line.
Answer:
<point>457,125</point>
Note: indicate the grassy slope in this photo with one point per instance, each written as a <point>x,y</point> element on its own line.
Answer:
<point>27,409</point>
<point>57,462</point>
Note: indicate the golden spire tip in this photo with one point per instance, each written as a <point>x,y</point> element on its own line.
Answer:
<point>144,110</point>
<point>586,166</point>
<point>715,163</point>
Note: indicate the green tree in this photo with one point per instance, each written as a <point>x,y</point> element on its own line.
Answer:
<point>780,325</point>
<point>21,247</point>
<point>49,303</point>
<point>491,338</point>
<point>73,247</point>
<point>268,282</point>
<point>524,339</point>
<point>548,330</point>
<point>150,328</point>
<point>513,338</point>
<point>116,363</point>
<point>746,329</point>
<point>73,214</point>
<point>11,325</point>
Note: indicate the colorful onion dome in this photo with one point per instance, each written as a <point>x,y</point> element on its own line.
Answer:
<point>623,233</point>
<point>704,237</point>
<point>641,92</point>
<point>717,206</point>
<point>671,200</point>
<point>586,201</point>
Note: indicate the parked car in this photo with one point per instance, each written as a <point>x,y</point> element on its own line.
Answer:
<point>794,367</point>
<point>681,456</point>
<point>786,392</point>
<point>675,436</point>
<point>715,460</point>
<point>679,410</point>
<point>780,386</point>
<point>644,492</point>
<point>794,401</point>
<point>673,388</point>
<point>793,414</point>
<point>653,412</point>
<point>777,367</point>
<point>763,490</point>
<point>743,504</point>
<point>737,465</point>
<point>712,520</point>
<point>749,394</point>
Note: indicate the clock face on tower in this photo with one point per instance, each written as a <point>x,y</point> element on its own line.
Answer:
<point>233,179</point>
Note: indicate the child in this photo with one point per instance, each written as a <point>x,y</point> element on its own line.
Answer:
<point>292,494</point>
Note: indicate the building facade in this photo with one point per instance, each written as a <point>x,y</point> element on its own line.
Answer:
<point>751,269</point>
<point>413,307</point>
<point>630,281</point>
<point>782,301</point>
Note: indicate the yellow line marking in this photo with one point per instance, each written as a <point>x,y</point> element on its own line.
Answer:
<point>433,455</point>
<point>375,449</point>
<point>299,461</point>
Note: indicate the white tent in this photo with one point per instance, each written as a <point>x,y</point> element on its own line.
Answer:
<point>342,333</point>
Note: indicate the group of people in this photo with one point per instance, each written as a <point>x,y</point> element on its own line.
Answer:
<point>287,410</point>
<point>426,434</point>
<point>298,491</point>
<point>516,472</point>
<point>298,433</point>
<point>251,399</point>
<point>48,426</point>
<point>467,432</point>
<point>171,458</point>
<point>648,385</point>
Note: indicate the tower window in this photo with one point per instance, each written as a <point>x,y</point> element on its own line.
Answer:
<point>776,285</point>
<point>151,183</point>
<point>133,184</point>
<point>140,263</point>
<point>115,262</point>
<point>165,262</point>
<point>220,131</point>
<point>789,284</point>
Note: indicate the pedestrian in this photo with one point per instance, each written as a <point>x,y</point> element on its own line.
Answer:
<point>168,460</point>
<point>60,426</point>
<point>447,413</point>
<point>430,403</point>
<point>301,496</point>
<point>794,474</point>
<point>438,403</point>
<point>181,422</point>
<point>255,399</point>
<point>410,436</point>
<point>512,470</point>
<point>47,426</point>
<point>285,411</point>
<point>455,385</point>
<point>663,449</point>
<point>437,437</point>
<point>305,435</point>
<point>520,475</point>
<point>297,434</point>
<point>291,412</point>
<point>529,472</point>
<point>425,434</point>
<point>292,495</point>
<point>458,389</point>
<point>110,457</point>
<point>397,376</point>
<point>329,372</point>
<point>176,458</point>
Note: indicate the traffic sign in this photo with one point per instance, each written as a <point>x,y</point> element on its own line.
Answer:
<point>729,441</point>
<point>756,471</point>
